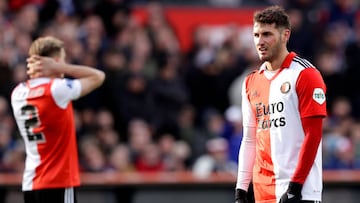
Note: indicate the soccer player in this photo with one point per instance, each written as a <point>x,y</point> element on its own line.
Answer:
<point>42,107</point>
<point>283,105</point>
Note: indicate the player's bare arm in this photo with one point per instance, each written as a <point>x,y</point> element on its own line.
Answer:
<point>90,78</point>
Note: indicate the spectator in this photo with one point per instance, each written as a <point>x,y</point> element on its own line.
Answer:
<point>352,54</point>
<point>338,146</point>
<point>338,151</point>
<point>12,154</point>
<point>166,142</point>
<point>149,160</point>
<point>180,154</point>
<point>234,134</point>
<point>120,159</point>
<point>355,139</point>
<point>215,160</point>
<point>190,132</point>
<point>168,94</point>
<point>7,78</point>
<point>139,136</point>
<point>113,14</point>
<point>93,159</point>
<point>134,101</point>
<point>108,139</point>
<point>104,119</point>
<point>214,124</point>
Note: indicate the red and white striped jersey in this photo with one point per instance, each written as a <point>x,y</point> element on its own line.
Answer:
<point>274,108</point>
<point>44,115</point>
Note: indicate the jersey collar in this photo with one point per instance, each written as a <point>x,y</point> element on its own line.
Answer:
<point>286,63</point>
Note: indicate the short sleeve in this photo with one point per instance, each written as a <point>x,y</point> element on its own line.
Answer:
<point>65,90</point>
<point>311,91</point>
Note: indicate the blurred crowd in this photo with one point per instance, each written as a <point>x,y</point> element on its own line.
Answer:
<point>161,109</point>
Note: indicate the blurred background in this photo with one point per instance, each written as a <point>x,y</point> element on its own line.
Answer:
<point>171,101</point>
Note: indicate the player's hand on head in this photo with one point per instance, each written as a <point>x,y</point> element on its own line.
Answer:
<point>40,66</point>
<point>240,196</point>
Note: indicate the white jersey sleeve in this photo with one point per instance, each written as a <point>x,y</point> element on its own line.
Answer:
<point>247,150</point>
<point>65,90</point>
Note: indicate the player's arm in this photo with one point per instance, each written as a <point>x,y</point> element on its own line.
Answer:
<point>246,158</point>
<point>312,106</point>
<point>247,150</point>
<point>246,163</point>
<point>313,132</point>
<point>90,78</point>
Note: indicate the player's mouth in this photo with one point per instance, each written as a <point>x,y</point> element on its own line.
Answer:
<point>262,50</point>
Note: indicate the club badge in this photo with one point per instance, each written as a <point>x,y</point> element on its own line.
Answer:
<point>285,87</point>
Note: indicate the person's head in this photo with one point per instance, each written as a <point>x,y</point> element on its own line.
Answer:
<point>50,47</point>
<point>271,32</point>
<point>120,158</point>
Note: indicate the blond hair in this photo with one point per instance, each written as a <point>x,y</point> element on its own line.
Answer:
<point>46,46</point>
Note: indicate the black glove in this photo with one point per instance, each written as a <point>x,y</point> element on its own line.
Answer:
<point>241,196</point>
<point>293,193</point>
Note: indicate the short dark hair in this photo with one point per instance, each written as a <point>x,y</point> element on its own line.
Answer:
<point>273,14</point>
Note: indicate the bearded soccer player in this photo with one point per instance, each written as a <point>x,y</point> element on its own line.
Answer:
<point>42,107</point>
<point>283,105</point>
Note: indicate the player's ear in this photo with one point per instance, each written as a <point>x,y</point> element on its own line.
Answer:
<point>286,35</point>
<point>61,56</point>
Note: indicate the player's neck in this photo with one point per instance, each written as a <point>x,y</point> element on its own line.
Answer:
<point>276,64</point>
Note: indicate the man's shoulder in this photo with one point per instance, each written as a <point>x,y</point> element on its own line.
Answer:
<point>19,91</point>
<point>64,83</point>
<point>19,85</point>
<point>300,62</point>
